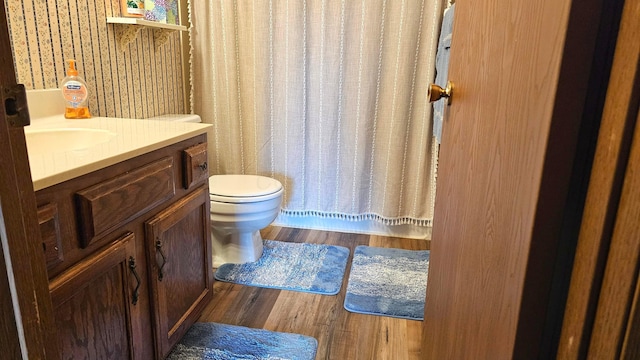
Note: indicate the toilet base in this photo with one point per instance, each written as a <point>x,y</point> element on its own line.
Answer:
<point>235,247</point>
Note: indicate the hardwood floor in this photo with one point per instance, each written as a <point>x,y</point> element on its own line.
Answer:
<point>341,335</point>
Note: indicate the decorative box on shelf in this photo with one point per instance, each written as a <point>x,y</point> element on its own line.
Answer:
<point>155,10</point>
<point>173,16</point>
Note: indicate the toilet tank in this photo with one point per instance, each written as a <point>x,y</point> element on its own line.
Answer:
<point>193,118</point>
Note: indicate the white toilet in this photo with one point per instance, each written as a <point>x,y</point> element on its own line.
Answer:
<point>241,205</point>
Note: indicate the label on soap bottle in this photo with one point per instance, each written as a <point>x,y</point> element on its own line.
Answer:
<point>74,92</point>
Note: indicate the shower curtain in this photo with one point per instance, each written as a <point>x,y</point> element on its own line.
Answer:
<point>328,97</point>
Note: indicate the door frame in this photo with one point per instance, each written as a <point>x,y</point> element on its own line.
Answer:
<point>583,87</point>
<point>599,232</point>
<point>28,329</point>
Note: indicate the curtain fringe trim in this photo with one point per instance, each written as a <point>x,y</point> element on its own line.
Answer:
<point>360,217</point>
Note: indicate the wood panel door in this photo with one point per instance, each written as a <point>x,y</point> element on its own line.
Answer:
<point>179,248</point>
<point>508,193</point>
<point>95,304</point>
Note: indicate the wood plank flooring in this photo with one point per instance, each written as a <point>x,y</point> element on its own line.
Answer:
<point>341,335</point>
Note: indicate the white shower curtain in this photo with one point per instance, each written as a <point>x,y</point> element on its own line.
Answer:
<point>328,97</point>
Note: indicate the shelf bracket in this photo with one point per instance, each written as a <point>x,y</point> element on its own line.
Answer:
<point>161,36</point>
<point>127,30</point>
<point>125,34</point>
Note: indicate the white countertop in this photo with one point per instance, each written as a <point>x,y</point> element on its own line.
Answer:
<point>132,138</point>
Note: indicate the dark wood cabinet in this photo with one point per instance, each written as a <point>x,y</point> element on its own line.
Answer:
<point>129,254</point>
<point>95,301</point>
<point>180,267</point>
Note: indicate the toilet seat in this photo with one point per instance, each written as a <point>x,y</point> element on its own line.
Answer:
<point>243,188</point>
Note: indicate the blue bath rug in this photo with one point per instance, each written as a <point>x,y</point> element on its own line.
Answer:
<point>388,282</point>
<point>226,342</point>
<point>312,268</point>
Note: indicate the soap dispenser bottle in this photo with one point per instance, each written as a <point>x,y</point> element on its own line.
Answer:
<point>75,93</point>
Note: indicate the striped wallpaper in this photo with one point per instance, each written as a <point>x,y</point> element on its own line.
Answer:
<point>138,81</point>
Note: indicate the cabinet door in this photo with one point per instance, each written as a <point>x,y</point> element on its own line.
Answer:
<point>95,304</point>
<point>179,244</point>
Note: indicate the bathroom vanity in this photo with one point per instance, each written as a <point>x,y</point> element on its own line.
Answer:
<point>125,230</point>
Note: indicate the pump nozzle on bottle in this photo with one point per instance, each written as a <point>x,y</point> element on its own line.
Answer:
<point>72,71</point>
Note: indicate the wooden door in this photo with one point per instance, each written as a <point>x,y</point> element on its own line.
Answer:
<point>24,296</point>
<point>179,248</point>
<point>95,304</point>
<point>527,75</point>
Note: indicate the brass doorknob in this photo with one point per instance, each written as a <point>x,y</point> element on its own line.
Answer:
<point>436,93</point>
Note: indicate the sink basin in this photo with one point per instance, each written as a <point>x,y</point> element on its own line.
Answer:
<point>47,141</point>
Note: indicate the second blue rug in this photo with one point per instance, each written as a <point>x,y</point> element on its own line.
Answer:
<point>388,282</point>
<point>226,342</point>
<point>309,268</point>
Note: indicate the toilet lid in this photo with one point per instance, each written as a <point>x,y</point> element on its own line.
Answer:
<point>242,188</point>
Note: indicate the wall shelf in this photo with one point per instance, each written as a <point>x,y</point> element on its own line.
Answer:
<point>127,29</point>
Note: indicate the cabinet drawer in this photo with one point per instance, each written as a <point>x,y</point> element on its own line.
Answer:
<point>195,165</point>
<point>49,221</point>
<point>110,204</point>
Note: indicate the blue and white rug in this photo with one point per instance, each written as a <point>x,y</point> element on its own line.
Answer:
<point>226,342</point>
<point>388,282</point>
<point>309,268</point>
